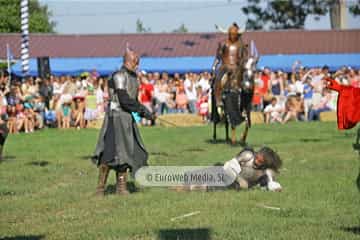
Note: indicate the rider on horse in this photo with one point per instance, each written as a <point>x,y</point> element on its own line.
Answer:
<point>231,55</point>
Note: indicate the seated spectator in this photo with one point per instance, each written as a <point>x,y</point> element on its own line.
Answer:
<point>273,112</point>
<point>11,111</point>
<point>294,108</point>
<point>323,106</point>
<point>170,103</point>
<point>78,113</point>
<point>39,111</point>
<point>50,118</point>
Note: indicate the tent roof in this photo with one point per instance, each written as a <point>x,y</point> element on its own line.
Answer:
<point>105,66</point>
<point>182,44</point>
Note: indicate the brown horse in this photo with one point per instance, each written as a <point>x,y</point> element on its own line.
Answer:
<point>244,76</point>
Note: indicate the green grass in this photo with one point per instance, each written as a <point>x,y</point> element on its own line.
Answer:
<point>47,184</point>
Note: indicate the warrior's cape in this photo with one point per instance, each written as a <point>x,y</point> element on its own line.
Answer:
<point>348,105</point>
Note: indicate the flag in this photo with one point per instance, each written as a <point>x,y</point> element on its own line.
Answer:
<point>9,57</point>
<point>348,105</point>
<point>253,49</point>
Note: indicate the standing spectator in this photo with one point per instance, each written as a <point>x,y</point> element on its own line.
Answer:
<point>46,90</point>
<point>181,100</point>
<point>160,93</point>
<point>100,90</point>
<point>190,91</point>
<point>277,84</point>
<point>308,93</point>
<point>257,98</point>
<point>146,91</point>
<point>204,82</point>
<point>66,115</point>
<point>203,106</point>
<point>354,78</point>
<point>264,86</point>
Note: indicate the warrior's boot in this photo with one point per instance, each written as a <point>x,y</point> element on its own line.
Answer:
<point>121,183</point>
<point>103,175</point>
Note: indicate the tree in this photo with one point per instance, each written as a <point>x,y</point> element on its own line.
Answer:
<point>181,29</point>
<point>39,17</point>
<point>140,28</point>
<point>279,14</point>
<point>355,8</point>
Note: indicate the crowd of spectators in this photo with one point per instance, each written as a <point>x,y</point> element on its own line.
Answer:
<point>75,101</point>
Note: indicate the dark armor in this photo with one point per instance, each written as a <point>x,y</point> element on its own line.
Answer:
<point>120,146</point>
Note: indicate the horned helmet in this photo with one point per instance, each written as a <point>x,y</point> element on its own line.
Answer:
<point>131,59</point>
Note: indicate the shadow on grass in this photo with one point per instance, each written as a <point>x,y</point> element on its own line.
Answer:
<point>195,149</point>
<point>164,154</point>
<point>30,237</point>
<point>8,157</point>
<point>354,230</point>
<point>185,234</point>
<point>39,163</point>
<point>305,140</point>
<point>217,141</point>
<point>88,157</point>
<point>7,193</point>
<point>111,188</point>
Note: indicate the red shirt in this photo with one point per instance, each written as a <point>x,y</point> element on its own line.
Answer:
<point>265,79</point>
<point>146,91</point>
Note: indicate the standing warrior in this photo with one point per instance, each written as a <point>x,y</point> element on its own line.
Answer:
<point>120,146</point>
<point>232,54</point>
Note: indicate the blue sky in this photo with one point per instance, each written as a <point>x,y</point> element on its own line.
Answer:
<point>118,16</point>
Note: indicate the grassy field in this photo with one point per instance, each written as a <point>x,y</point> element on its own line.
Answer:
<point>47,184</point>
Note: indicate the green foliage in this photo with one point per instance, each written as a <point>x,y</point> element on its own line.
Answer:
<point>3,65</point>
<point>279,14</point>
<point>140,28</point>
<point>181,29</point>
<point>10,20</point>
<point>355,7</point>
<point>47,184</point>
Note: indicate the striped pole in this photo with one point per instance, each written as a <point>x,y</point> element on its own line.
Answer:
<point>24,8</point>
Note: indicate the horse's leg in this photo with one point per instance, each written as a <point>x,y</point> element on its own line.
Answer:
<point>214,132</point>
<point>247,125</point>
<point>233,135</point>
<point>226,130</point>
<point>244,134</point>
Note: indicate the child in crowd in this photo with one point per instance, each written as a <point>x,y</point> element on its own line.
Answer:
<point>181,100</point>
<point>66,112</point>
<point>203,107</point>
